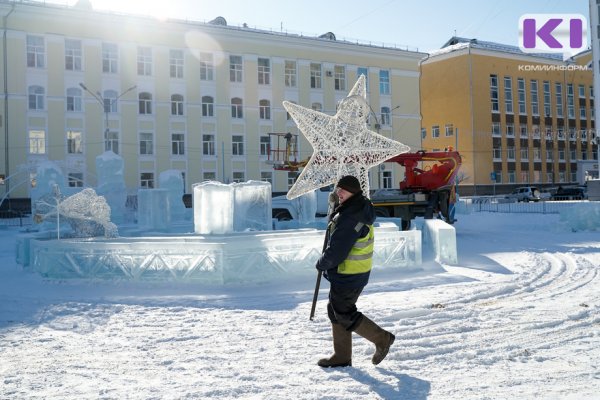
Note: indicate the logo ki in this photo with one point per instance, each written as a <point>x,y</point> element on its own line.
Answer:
<point>553,33</point>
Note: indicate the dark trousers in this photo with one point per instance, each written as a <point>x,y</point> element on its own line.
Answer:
<point>342,306</point>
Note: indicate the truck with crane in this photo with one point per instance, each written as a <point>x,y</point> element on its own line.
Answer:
<point>427,189</point>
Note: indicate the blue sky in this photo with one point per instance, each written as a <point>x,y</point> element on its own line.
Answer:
<point>416,24</point>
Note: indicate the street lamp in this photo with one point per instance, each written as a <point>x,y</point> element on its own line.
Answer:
<point>106,106</point>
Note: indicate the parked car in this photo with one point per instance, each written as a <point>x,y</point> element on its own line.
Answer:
<point>525,193</point>
<point>570,193</point>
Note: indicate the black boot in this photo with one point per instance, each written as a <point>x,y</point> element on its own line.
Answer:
<point>380,337</point>
<point>342,348</point>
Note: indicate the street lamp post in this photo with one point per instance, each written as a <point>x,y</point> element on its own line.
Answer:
<point>106,106</point>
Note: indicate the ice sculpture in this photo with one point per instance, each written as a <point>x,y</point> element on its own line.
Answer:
<point>154,212</point>
<point>48,175</point>
<point>86,212</point>
<point>252,206</point>
<point>440,238</point>
<point>306,207</point>
<point>220,208</point>
<point>172,181</point>
<point>342,144</point>
<point>111,183</point>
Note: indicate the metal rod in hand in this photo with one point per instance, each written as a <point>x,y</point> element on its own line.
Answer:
<point>316,295</point>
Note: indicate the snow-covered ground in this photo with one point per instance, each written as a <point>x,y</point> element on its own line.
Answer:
<point>517,318</point>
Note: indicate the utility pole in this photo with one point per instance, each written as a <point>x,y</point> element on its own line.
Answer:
<point>106,106</point>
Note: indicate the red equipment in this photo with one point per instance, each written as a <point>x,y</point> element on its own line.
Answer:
<point>432,177</point>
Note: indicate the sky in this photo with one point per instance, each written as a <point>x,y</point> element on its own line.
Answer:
<point>517,317</point>
<point>421,25</point>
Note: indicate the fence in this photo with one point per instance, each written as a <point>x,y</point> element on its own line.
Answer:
<point>15,218</point>
<point>495,204</point>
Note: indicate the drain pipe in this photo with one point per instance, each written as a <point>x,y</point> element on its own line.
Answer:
<point>6,152</point>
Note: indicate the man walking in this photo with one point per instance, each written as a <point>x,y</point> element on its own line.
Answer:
<point>346,263</point>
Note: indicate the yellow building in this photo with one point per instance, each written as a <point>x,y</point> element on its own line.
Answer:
<point>515,118</point>
<point>196,97</point>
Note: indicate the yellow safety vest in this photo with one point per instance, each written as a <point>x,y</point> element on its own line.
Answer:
<point>360,259</point>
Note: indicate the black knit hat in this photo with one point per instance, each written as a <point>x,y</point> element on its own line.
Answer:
<point>349,183</point>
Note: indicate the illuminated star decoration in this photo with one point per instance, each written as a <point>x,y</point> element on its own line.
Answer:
<point>342,144</point>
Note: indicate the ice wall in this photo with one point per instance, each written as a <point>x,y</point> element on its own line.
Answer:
<point>306,207</point>
<point>220,208</point>
<point>584,216</point>
<point>172,181</point>
<point>153,211</point>
<point>111,183</point>
<point>440,240</point>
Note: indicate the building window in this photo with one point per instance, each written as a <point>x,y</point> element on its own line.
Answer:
<point>266,177</point>
<point>291,179</point>
<point>384,82</point>
<point>523,132</point>
<point>72,55</point>
<point>208,106</point>
<point>75,179</point>
<point>423,133</point>
<point>74,142</point>
<point>364,71</point>
<point>176,104</point>
<point>510,153</point>
<point>535,106</point>
<point>315,76</point>
<point>36,97</point>
<point>264,109</point>
<point>36,52</point>
<point>581,91</point>
<point>435,131</point>
<point>235,69</point>
<point>110,101</point>
<point>582,113</point>
<point>547,105</point>
<point>497,153</point>
<point>570,101</point>
<point>537,154</point>
<point>145,103</point>
<point>449,130</point>
<point>176,64</point>
<point>110,58</point>
<point>237,145</point>
<point>498,175</point>
<point>265,145</point>
<point>524,154</point>
<point>74,99</point>
<point>290,73</point>
<point>536,131</point>
<point>144,61</point>
<point>559,101</point>
<point>511,177</point>
<point>146,143</point>
<point>508,101</point>
<point>208,145</point>
<point>385,116</point>
<point>237,110</point>
<point>549,154</point>
<point>264,71</point>
<point>317,106</point>
<point>207,67</point>
<point>209,176</point>
<point>147,180</point>
<point>510,130</point>
<point>561,154</point>
<point>339,77</point>
<point>494,93</point>
<point>386,179</point>
<point>496,129</point>
<point>524,176</point>
<point>521,95</point>
<point>549,177</point>
<point>238,176</point>
<point>112,142</point>
<point>177,144</point>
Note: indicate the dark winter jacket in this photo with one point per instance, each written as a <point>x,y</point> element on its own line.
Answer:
<point>340,239</point>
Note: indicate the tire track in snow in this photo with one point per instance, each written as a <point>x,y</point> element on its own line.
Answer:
<point>506,316</point>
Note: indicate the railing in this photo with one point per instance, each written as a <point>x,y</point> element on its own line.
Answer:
<point>15,218</point>
<point>501,205</point>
